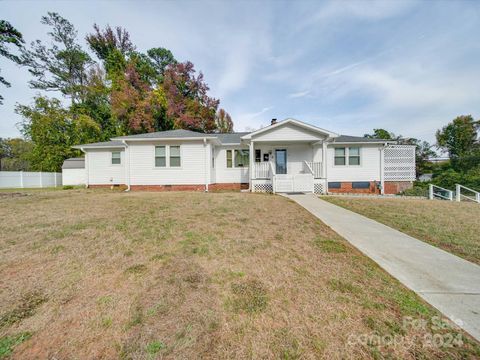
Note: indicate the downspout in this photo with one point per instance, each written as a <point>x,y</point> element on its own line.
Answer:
<point>86,168</point>
<point>252,164</point>
<point>206,163</point>
<point>382,174</point>
<point>127,167</point>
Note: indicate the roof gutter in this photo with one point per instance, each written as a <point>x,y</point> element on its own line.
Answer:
<point>165,139</point>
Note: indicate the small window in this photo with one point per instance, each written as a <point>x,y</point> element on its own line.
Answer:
<point>116,158</point>
<point>360,185</point>
<point>229,159</point>
<point>334,185</point>
<point>258,155</point>
<point>175,156</point>
<point>339,156</point>
<point>354,156</point>
<point>160,158</point>
<point>242,158</point>
<point>213,157</point>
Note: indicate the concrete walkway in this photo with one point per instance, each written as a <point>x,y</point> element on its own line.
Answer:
<point>447,282</point>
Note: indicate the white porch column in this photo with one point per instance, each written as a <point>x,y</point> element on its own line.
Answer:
<point>251,167</point>
<point>324,160</point>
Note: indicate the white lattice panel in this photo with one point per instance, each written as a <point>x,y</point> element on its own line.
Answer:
<point>262,186</point>
<point>399,163</point>
<point>319,187</point>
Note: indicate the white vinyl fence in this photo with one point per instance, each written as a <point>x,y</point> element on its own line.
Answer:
<point>26,179</point>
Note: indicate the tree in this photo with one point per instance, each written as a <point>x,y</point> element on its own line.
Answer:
<point>53,131</point>
<point>161,59</point>
<point>9,35</point>
<point>63,65</point>
<point>423,152</point>
<point>189,106</point>
<point>380,134</point>
<point>459,138</point>
<point>13,154</point>
<point>224,122</point>
<point>104,42</point>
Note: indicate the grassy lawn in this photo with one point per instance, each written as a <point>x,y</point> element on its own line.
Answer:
<point>100,274</point>
<point>452,226</point>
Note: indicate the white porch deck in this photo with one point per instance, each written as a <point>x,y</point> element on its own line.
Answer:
<point>309,179</point>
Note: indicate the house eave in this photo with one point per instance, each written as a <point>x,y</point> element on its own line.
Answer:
<point>288,121</point>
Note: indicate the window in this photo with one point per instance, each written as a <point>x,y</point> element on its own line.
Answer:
<point>334,185</point>
<point>175,156</point>
<point>242,158</point>
<point>229,159</point>
<point>116,158</point>
<point>213,157</point>
<point>354,156</point>
<point>360,185</point>
<point>340,156</point>
<point>160,157</point>
<point>258,155</point>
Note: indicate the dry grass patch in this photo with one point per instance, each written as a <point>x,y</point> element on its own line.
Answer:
<point>451,226</point>
<point>192,275</point>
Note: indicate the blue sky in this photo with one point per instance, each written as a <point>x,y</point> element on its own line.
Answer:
<point>349,67</point>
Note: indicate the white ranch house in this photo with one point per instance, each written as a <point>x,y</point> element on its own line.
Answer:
<point>287,156</point>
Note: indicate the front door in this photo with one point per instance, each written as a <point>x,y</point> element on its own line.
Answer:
<point>281,161</point>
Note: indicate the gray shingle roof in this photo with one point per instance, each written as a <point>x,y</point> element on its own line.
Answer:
<point>230,138</point>
<point>359,139</point>
<point>169,134</point>
<point>105,144</point>
<point>74,163</point>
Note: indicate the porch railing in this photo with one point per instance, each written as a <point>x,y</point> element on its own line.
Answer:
<point>262,170</point>
<point>316,168</point>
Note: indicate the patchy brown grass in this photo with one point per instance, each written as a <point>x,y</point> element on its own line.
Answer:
<point>99,274</point>
<point>451,226</point>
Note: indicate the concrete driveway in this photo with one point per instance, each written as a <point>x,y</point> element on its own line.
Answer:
<point>447,282</point>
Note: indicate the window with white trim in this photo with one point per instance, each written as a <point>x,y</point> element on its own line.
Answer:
<point>229,159</point>
<point>175,156</point>
<point>237,158</point>
<point>242,158</point>
<point>170,152</point>
<point>116,158</point>
<point>160,156</point>
<point>340,158</point>
<point>354,155</point>
<point>347,156</point>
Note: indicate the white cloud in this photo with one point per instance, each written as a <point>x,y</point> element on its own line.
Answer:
<point>250,121</point>
<point>299,94</point>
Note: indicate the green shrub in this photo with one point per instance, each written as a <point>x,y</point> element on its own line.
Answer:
<point>416,191</point>
<point>67,187</point>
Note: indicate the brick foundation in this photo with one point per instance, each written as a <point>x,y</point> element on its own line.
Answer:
<point>194,187</point>
<point>228,186</point>
<point>346,187</point>
<point>394,187</point>
<point>391,187</point>
<point>107,186</point>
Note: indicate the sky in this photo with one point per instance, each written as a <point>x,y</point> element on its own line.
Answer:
<point>346,66</point>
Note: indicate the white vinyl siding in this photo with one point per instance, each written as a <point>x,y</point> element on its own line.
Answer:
<point>224,174</point>
<point>193,159</point>
<point>368,170</point>
<point>74,177</point>
<point>288,132</point>
<point>101,171</point>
